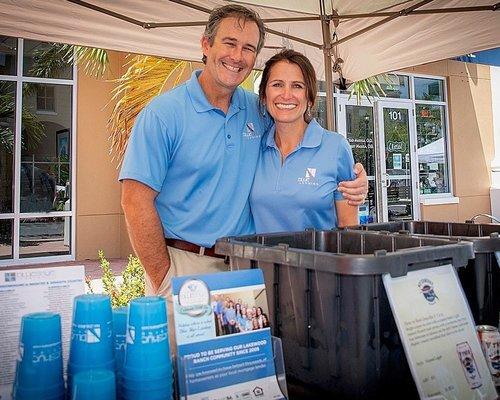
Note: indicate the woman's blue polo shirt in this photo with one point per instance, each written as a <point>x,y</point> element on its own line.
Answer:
<point>301,192</point>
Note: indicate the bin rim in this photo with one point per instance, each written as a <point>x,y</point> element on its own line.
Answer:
<point>482,244</point>
<point>396,263</point>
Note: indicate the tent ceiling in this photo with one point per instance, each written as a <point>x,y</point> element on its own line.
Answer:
<point>402,42</point>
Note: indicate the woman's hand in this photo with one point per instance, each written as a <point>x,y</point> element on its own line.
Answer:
<point>355,191</point>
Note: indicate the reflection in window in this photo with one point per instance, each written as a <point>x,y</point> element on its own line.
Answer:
<point>45,237</point>
<point>395,86</point>
<point>431,152</point>
<point>5,238</point>
<point>319,110</point>
<point>46,60</point>
<point>45,98</point>
<point>359,127</point>
<point>429,89</point>
<point>7,129</point>
<point>8,55</point>
<point>46,155</point>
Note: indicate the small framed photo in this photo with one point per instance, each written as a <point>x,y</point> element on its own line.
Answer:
<point>63,144</point>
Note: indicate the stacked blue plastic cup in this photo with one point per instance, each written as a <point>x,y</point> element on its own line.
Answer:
<point>93,385</point>
<point>119,333</point>
<point>39,369</point>
<point>147,371</point>
<point>91,346</point>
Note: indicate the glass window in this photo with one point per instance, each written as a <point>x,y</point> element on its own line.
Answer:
<point>45,98</point>
<point>8,55</point>
<point>44,162</point>
<point>45,154</point>
<point>429,89</point>
<point>321,86</point>
<point>45,60</point>
<point>359,126</point>
<point>44,236</point>
<point>7,131</point>
<point>431,152</point>
<point>319,110</point>
<point>359,132</point>
<point>396,86</point>
<point>5,238</point>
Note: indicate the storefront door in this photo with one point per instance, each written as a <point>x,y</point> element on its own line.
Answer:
<point>381,137</point>
<point>396,159</point>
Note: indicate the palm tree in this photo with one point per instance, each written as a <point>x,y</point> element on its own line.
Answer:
<point>146,77</point>
<point>371,87</point>
<point>33,131</point>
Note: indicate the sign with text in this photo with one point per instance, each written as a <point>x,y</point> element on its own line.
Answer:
<point>439,335</point>
<point>223,337</point>
<point>24,291</point>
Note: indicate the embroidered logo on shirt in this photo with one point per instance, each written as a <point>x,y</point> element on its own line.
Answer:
<point>309,178</point>
<point>249,132</point>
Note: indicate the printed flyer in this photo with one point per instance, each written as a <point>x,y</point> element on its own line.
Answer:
<point>439,335</point>
<point>24,291</point>
<point>224,346</point>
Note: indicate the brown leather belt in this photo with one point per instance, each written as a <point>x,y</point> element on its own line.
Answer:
<point>193,248</point>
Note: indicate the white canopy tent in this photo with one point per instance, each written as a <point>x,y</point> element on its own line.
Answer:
<point>354,39</point>
<point>433,152</point>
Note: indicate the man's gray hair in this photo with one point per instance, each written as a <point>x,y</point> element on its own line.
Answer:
<point>243,15</point>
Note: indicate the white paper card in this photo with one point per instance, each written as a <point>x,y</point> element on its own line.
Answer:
<point>439,335</point>
<point>24,291</point>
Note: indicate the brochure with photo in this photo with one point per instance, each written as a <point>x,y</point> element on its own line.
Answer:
<point>223,335</point>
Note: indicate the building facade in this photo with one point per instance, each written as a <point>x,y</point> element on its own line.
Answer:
<point>430,147</point>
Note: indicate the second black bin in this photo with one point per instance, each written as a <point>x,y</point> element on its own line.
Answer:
<point>481,279</point>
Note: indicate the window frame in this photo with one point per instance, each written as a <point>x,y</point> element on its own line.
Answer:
<point>446,196</point>
<point>46,110</point>
<point>16,216</point>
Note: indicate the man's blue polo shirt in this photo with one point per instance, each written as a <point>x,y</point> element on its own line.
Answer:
<point>200,160</point>
<point>301,192</point>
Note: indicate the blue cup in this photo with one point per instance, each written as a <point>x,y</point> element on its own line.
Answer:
<point>147,374</point>
<point>147,346</point>
<point>77,368</point>
<point>46,393</point>
<point>40,364</point>
<point>119,334</point>
<point>151,394</point>
<point>94,385</point>
<point>91,345</point>
<point>153,384</point>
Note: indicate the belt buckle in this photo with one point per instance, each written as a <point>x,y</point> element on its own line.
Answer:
<point>202,251</point>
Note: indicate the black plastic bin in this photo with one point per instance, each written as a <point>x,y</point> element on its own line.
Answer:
<point>481,279</point>
<point>328,304</point>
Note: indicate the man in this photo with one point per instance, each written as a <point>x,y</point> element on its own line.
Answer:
<point>192,155</point>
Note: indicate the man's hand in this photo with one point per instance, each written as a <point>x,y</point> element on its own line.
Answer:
<point>355,191</point>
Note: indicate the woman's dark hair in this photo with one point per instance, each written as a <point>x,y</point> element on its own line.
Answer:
<point>293,57</point>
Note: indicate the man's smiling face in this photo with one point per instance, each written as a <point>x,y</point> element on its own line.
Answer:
<point>231,57</point>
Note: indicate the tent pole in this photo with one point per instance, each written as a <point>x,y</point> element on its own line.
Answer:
<point>327,46</point>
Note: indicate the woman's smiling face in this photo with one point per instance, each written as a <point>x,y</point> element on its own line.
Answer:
<point>286,93</point>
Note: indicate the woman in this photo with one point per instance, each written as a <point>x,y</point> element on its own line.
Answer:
<point>301,164</point>
<point>264,321</point>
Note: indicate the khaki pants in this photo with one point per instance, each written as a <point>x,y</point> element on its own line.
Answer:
<point>183,263</point>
